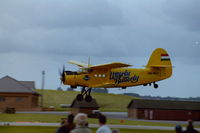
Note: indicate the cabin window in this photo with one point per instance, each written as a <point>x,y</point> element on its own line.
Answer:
<point>2,99</point>
<point>100,75</point>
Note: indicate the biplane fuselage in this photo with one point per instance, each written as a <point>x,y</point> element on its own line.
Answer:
<point>117,77</point>
<point>120,75</point>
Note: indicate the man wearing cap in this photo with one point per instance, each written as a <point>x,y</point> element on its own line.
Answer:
<point>81,124</point>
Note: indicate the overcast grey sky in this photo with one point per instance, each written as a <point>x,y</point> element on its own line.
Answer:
<point>40,35</point>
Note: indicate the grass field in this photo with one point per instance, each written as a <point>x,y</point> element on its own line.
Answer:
<point>107,102</point>
<point>53,118</point>
<point>21,129</point>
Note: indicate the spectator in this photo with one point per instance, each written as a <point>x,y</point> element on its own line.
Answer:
<point>115,131</point>
<point>81,124</point>
<point>190,128</point>
<point>66,125</point>
<point>178,129</point>
<point>103,127</point>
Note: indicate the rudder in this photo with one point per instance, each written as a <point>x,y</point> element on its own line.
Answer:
<point>160,59</point>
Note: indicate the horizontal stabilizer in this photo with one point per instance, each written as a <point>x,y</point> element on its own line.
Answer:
<point>163,66</point>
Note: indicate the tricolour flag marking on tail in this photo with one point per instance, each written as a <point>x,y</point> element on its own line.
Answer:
<point>165,57</point>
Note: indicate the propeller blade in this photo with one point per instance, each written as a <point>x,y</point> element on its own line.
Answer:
<point>63,68</point>
<point>62,74</point>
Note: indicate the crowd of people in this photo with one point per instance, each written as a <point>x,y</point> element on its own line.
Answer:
<point>79,124</point>
<point>189,128</point>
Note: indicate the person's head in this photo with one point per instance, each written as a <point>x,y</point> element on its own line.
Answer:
<point>115,131</point>
<point>102,119</point>
<point>63,121</point>
<point>190,125</point>
<point>70,118</point>
<point>178,129</point>
<point>81,119</point>
<point>190,122</point>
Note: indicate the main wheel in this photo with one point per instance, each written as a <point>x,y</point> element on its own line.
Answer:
<point>88,98</point>
<point>79,97</point>
<point>144,84</point>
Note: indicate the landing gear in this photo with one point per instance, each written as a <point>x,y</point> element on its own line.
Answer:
<point>155,85</point>
<point>123,87</point>
<point>88,98</point>
<point>79,97</point>
<point>85,93</point>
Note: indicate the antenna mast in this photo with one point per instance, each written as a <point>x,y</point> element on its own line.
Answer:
<point>42,87</point>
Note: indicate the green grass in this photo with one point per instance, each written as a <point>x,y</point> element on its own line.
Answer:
<point>47,118</point>
<point>53,118</point>
<point>107,102</point>
<point>22,129</point>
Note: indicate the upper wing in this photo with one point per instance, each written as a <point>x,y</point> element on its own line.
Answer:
<point>80,64</point>
<point>111,65</point>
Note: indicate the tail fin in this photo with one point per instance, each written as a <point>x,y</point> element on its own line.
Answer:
<point>160,59</point>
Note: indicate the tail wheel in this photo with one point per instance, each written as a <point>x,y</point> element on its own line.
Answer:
<point>79,97</point>
<point>155,85</point>
<point>88,98</point>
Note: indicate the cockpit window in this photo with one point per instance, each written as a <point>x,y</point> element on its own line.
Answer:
<point>84,70</point>
<point>71,72</point>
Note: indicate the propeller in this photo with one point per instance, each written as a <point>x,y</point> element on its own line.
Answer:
<point>62,74</point>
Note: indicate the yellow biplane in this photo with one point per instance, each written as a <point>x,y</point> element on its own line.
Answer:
<point>117,74</point>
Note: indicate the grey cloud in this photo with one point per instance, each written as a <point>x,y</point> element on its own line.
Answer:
<point>60,13</point>
<point>77,41</point>
<point>184,12</point>
<point>91,29</point>
<point>59,27</point>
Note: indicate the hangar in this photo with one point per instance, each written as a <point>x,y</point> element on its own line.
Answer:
<point>164,110</point>
<point>20,95</point>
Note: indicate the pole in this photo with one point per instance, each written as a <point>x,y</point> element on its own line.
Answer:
<point>42,87</point>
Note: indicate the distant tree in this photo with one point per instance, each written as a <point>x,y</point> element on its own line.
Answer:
<point>164,98</point>
<point>106,90</point>
<point>70,89</point>
<point>59,89</point>
<point>100,90</point>
<point>132,94</point>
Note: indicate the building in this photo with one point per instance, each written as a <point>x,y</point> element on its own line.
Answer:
<point>84,107</point>
<point>20,95</point>
<point>164,110</point>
